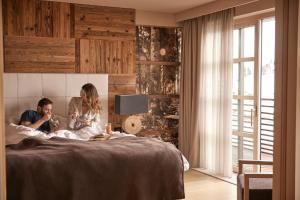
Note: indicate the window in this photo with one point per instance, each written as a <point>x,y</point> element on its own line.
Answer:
<point>253,90</point>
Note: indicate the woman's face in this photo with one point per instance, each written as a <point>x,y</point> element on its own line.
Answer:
<point>83,96</point>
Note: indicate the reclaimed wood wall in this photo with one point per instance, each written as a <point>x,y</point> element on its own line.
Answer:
<point>158,58</point>
<point>28,54</point>
<point>55,37</point>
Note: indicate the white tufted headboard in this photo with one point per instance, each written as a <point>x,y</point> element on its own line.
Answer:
<point>23,90</point>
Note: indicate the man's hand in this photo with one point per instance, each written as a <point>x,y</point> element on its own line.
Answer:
<point>46,117</point>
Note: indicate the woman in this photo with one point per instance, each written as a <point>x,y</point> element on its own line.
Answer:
<point>84,111</point>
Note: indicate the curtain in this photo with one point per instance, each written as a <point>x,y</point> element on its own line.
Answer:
<point>206,92</point>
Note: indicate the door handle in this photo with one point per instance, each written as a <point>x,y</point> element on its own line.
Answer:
<point>253,115</point>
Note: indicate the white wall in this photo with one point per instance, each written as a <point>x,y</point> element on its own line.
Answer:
<point>297,175</point>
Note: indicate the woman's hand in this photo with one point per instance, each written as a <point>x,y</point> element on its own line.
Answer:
<point>87,123</point>
<point>75,115</point>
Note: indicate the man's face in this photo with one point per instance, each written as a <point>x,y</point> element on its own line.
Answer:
<point>47,109</point>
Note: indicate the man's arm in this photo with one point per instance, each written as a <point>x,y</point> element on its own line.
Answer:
<point>38,123</point>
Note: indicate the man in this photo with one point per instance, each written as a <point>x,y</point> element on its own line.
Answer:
<point>38,119</point>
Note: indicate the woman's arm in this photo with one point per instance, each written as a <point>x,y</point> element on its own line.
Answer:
<point>72,113</point>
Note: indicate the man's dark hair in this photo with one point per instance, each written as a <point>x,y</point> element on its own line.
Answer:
<point>44,101</point>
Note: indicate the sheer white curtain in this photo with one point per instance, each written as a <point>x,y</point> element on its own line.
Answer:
<point>210,93</point>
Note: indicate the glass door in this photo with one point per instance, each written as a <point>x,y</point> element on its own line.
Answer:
<point>267,90</point>
<point>245,94</point>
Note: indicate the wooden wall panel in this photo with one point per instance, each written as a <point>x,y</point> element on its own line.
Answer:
<point>104,22</point>
<point>14,17</point>
<point>119,84</point>
<point>85,62</point>
<point>29,19</point>
<point>38,18</point>
<point>44,19</point>
<point>63,26</point>
<point>107,56</point>
<point>32,54</point>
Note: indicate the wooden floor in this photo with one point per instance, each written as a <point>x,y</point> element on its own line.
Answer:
<point>199,186</point>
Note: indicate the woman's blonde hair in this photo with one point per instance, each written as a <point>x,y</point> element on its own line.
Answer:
<point>92,97</point>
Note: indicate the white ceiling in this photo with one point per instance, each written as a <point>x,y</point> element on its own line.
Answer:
<point>165,6</point>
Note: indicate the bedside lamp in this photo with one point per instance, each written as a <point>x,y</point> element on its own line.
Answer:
<point>131,104</point>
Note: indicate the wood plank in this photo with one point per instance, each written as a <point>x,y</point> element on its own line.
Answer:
<point>95,21</point>
<point>93,56</point>
<point>85,63</point>
<point>148,62</point>
<point>129,57</point>
<point>29,17</point>
<point>119,84</point>
<point>125,51</point>
<point>107,56</point>
<point>42,68</point>
<point>4,16</point>
<point>46,19</point>
<point>108,35</point>
<point>72,21</point>
<point>38,18</point>
<point>113,65</point>
<point>122,79</point>
<point>99,59</point>
<point>104,36</point>
<point>33,54</point>
<point>61,20</point>
<point>121,89</point>
<point>116,120</point>
<point>15,17</point>
<point>37,42</point>
<point>77,56</point>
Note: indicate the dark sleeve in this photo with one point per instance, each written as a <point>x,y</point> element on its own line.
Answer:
<point>26,117</point>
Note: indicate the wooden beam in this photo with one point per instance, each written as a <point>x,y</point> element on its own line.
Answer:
<point>285,99</point>
<point>2,131</point>
<point>297,173</point>
<point>209,8</point>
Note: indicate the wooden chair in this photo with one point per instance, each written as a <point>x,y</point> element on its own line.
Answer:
<point>254,186</point>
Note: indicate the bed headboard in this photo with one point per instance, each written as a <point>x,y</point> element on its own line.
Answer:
<point>23,90</point>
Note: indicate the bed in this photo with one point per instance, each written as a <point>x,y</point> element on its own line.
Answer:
<point>68,165</point>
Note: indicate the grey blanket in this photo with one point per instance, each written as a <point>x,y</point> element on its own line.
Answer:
<point>129,168</point>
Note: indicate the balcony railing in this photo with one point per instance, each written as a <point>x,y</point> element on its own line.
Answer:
<point>266,130</point>
<point>267,126</point>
